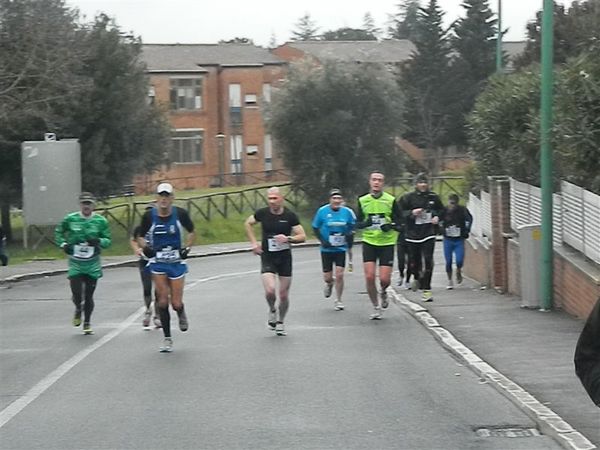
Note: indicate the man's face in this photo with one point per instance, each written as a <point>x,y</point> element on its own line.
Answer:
<point>86,208</point>
<point>376,182</point>
<point>422,186</point>
<point>164,200</point>
<point>275,200</point>
<point>335,201</point>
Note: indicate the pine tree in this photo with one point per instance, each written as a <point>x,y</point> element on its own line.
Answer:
<point>306,29</point>
<point>369,25</point>
<point>425,82</point>
<point>403,25</point>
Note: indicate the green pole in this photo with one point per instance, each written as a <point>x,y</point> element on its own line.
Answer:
<point>547,268</point>
<point>499,39</point>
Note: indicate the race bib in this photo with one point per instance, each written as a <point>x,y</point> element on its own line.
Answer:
<point>83,251</point>
<point>377,222</point>
<point>453,231</point>
<point>424,217</point>
<point>337,240</point>
<point>167,255</point>
<point>275,246</point>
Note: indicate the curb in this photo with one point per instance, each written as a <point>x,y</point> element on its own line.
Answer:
<point>134,262</point>
<point>548,421</point>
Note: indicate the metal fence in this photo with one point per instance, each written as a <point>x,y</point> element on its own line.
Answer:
<point>575,215</point>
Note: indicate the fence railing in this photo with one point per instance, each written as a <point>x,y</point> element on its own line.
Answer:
<point>575,215</point>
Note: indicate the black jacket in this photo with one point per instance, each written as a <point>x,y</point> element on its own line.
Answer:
<point>458,218</point>
<point>433,207</point>
<point>587,355</point>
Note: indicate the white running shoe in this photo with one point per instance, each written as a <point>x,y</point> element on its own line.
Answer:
<point>350,266</point>
<point>450,285</point>
<point>272,320</point>
<point>167,346</point>
<point>146,321</point>
<point>407,286</point>
<point>279,330</point>
<point>338,305</point>
<point>327,289</point>
<point>377,314</point>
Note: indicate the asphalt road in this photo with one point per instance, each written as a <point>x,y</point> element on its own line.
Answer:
<point>337,381</point>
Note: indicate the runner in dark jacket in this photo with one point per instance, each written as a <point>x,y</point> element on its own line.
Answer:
<point>587,355</point>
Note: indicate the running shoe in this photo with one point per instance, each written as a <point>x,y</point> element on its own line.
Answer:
<point>384,300</point>
<point>427,296</point>
<point>327,290</point>
<point>272,320</point>
<point>157,322</point>
<point>87,329</point>
<point>167,346</point>
<point>279,330</point>
<point>338,305</point>
<point>450,285</point>
<point>376,315</point>
<point>350,266</point>
<point>183,321</point>
<point>146,321</point>
<point>415,285</point>
<point>459,277</point>
<point>77,317</point>
<point>407,286</point>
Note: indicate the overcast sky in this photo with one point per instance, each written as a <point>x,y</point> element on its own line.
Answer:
<point>198,21</point>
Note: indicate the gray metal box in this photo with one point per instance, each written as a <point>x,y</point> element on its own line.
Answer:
<point>530,236</point>
<point>51,180</point>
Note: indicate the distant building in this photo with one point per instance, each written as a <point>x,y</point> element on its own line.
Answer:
<point>214,95</point>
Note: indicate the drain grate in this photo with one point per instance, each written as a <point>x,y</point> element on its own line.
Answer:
<point>507,432</point>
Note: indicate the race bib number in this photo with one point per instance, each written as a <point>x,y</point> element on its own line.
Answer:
<point>168,255</point>
<point>83,251</point>
<point>337,240</point>
<point>453,231</point>
<point>424,217</point>
<point>275,246</point>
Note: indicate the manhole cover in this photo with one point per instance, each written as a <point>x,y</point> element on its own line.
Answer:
<point>507,432</point>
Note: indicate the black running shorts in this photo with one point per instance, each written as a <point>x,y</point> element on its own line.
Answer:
<point>279,263</point>
<point>328,259</point>
<point>384,253</point>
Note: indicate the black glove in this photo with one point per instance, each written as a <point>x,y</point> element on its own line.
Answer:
<point>68,249</point>
<point>149,252</point>
<point>325,244</point>
<point>367,223</point>
<point>184,252</point>
<point>385,227</point>
<point>94,242</point>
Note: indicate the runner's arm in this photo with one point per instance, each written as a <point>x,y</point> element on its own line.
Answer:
<point>298,235</point>
<point>248,225</point>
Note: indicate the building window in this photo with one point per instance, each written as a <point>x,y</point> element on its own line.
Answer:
<point>250,100</point>
<point>186,93</point>
<point>268,153</point>
<point>266,92</point>
<point>251,149</point>
<point>187,146</point>
<point>236,148</point>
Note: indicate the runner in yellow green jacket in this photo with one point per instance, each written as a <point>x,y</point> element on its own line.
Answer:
<point>82,235</point>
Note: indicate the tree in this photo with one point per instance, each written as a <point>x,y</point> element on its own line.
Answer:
<point>574,30</point>
<point>369,25</point>
<point>348,34</point>
<point>335,123</point>
<point>424,80</point>
<point>474,42</point>
<point>306,29</point>
<point>403,25</point>
<point>237,40</point>
<point>40,75</point>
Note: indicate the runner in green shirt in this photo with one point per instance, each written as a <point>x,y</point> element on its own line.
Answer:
<point>81,235</point>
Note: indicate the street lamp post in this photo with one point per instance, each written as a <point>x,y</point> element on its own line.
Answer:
<point>221,149</point>
<point>546,154</point>
<point>499,39</point>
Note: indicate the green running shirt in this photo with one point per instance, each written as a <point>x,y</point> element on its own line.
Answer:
<point>380,210</point>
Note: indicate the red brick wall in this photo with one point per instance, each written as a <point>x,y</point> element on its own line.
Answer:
<point>575,291</point>
<point>500,210</point>
<point>477,261</point>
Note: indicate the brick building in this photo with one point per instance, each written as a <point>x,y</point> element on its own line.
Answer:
<point>214,95</point>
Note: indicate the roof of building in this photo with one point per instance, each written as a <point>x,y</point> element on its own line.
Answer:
<point>191,57</point>
<point>513,48</point>
<point>386,51</point>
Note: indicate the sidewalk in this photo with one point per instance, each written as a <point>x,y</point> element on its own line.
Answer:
<point>532,349</point>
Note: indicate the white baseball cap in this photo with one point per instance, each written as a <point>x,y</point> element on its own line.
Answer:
<point>164,187</point>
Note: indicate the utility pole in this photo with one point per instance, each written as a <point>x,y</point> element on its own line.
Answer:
<point>547,268</point>
<point>499,67</point>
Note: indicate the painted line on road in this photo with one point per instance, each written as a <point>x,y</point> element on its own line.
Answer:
<point>18,405</point>
<point>548,421</point>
